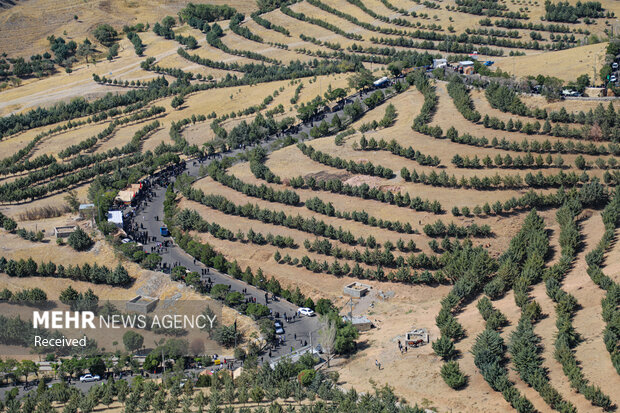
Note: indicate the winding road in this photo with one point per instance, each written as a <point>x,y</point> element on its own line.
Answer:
<point>301,332</point>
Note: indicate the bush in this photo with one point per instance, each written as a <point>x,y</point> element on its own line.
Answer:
<point>105,34</point>
<point>79,240</point>
<point>306,377</point>
<point>452,375</point>
<point>177,102</point>
<point>444,348</point>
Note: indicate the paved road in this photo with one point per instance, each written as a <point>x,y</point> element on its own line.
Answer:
<point>302,330</point>
<point>302,327</point>
<point>299,332</point>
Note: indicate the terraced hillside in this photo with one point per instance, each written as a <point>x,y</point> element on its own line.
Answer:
<point>479,206</point>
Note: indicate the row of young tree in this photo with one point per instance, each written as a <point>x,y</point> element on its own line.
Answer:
<point>566,306</point>
<point>462,100</point>
<point>403,274</point>
<point>29,296</point>
<point>213,38</point>
<point>314,40</point>
<point>318,22</point>
<point>439,229</point>
<point>345,333</point>
<point>247,134</point>
<point>374,256</point>
<point>429,107</point>
<point>488,8</point>
<point>310,225</point>
<point>595,260</point>
<point>468,268</point>
<point>567,13</point>
<point>262,191</point>
<point>517,24</point>
<point>460,42</point>
<point>365,168</point>
<point>104,135</point>
<point>528,251</point>
<point>318,205</point>
<point>79,107</point>
<point>235,26</point>
<point>97,274</point>
<point>496,181</point>
<point>397,149</point>
<point>507,161</point>
<point>364,191</point>
<point>388,120</point>
<point>489,353</point>
<point>80,169</point>
<point>544,147</point>
<point>513,34</point>
<point>191,220</point>
<point>447,45</point>
<point>269,25</point>
<point>293,383</point>
<point>602,124</point>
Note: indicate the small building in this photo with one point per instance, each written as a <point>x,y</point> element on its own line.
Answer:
<point>383,82</point>
<point>356,290</point>
<point>439,63</point>
<point>361,323</point>
<point>141,304</point>
<point>416,337</point>
<point>116,217</point>
<point>126,196</point>
<point>64,232</point>
<point>466,63</point>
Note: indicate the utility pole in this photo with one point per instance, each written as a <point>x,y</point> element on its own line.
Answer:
<point>350,303</point>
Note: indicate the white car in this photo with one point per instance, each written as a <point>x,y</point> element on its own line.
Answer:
<point>277,324</point>
<point>306,311</point>
<point>279,330</point>
<point>613,79</point>
<point>89,377</point>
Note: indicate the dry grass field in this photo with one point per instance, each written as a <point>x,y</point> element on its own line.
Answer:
<point>220,92</point>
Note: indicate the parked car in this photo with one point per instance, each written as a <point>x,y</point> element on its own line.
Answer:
<point>614,66</point>
<point>613,78</point>
<point>279,330</point>
<point>89,377</point>
<point>277,324</point>
<point>306,311</point>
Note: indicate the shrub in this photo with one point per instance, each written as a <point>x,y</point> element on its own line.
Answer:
<point>105,34</point>
<point>452,375</point>
<point>79,240</point>
<point>444,348</point>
